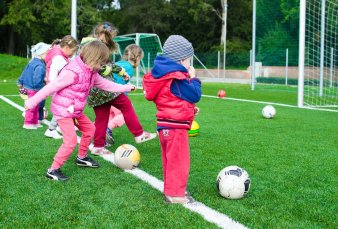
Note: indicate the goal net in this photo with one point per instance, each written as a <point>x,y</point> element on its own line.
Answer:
<point>318,74</point>
<point>151,46</point>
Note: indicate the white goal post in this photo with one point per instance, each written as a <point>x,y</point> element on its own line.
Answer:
<point>318,76</point>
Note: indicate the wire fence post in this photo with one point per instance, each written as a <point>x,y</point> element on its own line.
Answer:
<point>286,66</point>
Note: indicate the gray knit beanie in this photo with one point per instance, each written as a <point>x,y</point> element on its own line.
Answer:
<point>177,48</point>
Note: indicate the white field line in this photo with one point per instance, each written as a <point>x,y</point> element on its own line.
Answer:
<point>209,214</point>
<point>251,101</point>
<point>270,103</point>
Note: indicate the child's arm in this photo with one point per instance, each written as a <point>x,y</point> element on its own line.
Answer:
<point>110,86</point>
<point>20,80</point>
<point>110,68</point>
<point>39,76</point>
<point>65,79</point>
<point>189,90</point>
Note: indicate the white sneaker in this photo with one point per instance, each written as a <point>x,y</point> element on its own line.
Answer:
<point>38,125</point>
<point>52,134</point>
<point>44,121</point>
<point>29,126</point>
<point>98,151</point>
<point>145,136</point>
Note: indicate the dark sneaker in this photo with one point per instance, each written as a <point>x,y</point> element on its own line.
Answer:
<point>56,174</point>
<point>87,162</point>
<point>109,137</point>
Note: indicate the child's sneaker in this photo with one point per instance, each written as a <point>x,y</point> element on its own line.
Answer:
<point>87,162</point>
<point>38,125</point>
<point>109,137</point>
<point>44,121</point>
<point>29,126</point>
<point>56,174</point>
<point>145,136</point>
<point>98,151</point>
<point>52,134</point>
<point>178,199</point>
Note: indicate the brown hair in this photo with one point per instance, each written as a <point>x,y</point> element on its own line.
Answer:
<point>67,40</point>
<point>95,52</point>
<point>131,53</point>
<point>109,32</point>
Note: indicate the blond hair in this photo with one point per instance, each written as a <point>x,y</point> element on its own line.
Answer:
<point>131,53</point>
<point>109,32</point>
<point>67,40</point>
<point>95,52</point>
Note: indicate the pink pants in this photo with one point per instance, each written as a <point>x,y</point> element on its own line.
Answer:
<point>67,126</point>
<point>122,102</point>
<point>175,160</point>
<point>115,118</point>
<point>32,115</point>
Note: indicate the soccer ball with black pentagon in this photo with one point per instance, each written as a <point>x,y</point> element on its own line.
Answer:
<point>268,111</point>
<point>233,182</point>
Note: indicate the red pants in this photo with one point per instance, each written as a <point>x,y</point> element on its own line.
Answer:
<point>122,102</point>
<point>32,115</point>
<point>175,160</point>
<point>69,136</point>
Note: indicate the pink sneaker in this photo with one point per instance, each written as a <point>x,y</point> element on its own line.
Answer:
<point>98,151</point>
<point>145,136</point>
<point>178,199</point>
<point>29,126</point>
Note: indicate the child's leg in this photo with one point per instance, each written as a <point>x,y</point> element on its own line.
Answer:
<point>69,142</point>
<point>101,122</point>
<point>53,124</point>
<point>41,111</point>
<point>115,118</point>
<point>175,161</point>
<point>31,115</point>
<point>87,129</point>
<point>122,102</point>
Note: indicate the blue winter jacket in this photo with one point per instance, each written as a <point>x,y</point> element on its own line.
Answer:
<point>33,75</point>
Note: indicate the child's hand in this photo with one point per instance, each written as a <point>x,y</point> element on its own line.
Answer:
<point>192,72</point>
<point>23,92</point>
<point>133,88</point>
<point>196,111</point>
<point>126,76</point>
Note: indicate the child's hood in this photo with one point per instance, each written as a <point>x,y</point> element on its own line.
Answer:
<point>164,65</point>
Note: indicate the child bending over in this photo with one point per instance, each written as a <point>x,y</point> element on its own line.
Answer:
<point>71,90</point>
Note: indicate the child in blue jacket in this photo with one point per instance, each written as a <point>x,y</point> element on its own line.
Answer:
<point>31,81</point>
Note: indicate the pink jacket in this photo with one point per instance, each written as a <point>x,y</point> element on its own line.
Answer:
<point>55,51</point>
<point>72,88</point>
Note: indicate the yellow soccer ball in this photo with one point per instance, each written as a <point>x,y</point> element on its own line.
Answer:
<point>194,130</point>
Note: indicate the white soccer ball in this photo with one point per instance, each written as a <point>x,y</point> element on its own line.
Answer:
<point>127,157</point>
<point>269,111</point>
<point>233,182</point>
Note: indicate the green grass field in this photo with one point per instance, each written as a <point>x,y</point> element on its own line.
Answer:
<point>291,160</point>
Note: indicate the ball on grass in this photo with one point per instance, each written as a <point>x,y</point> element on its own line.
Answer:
<point>127,157</point>
<point>221,94</point>
<point>194,129</point>
<point>269,112</point>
